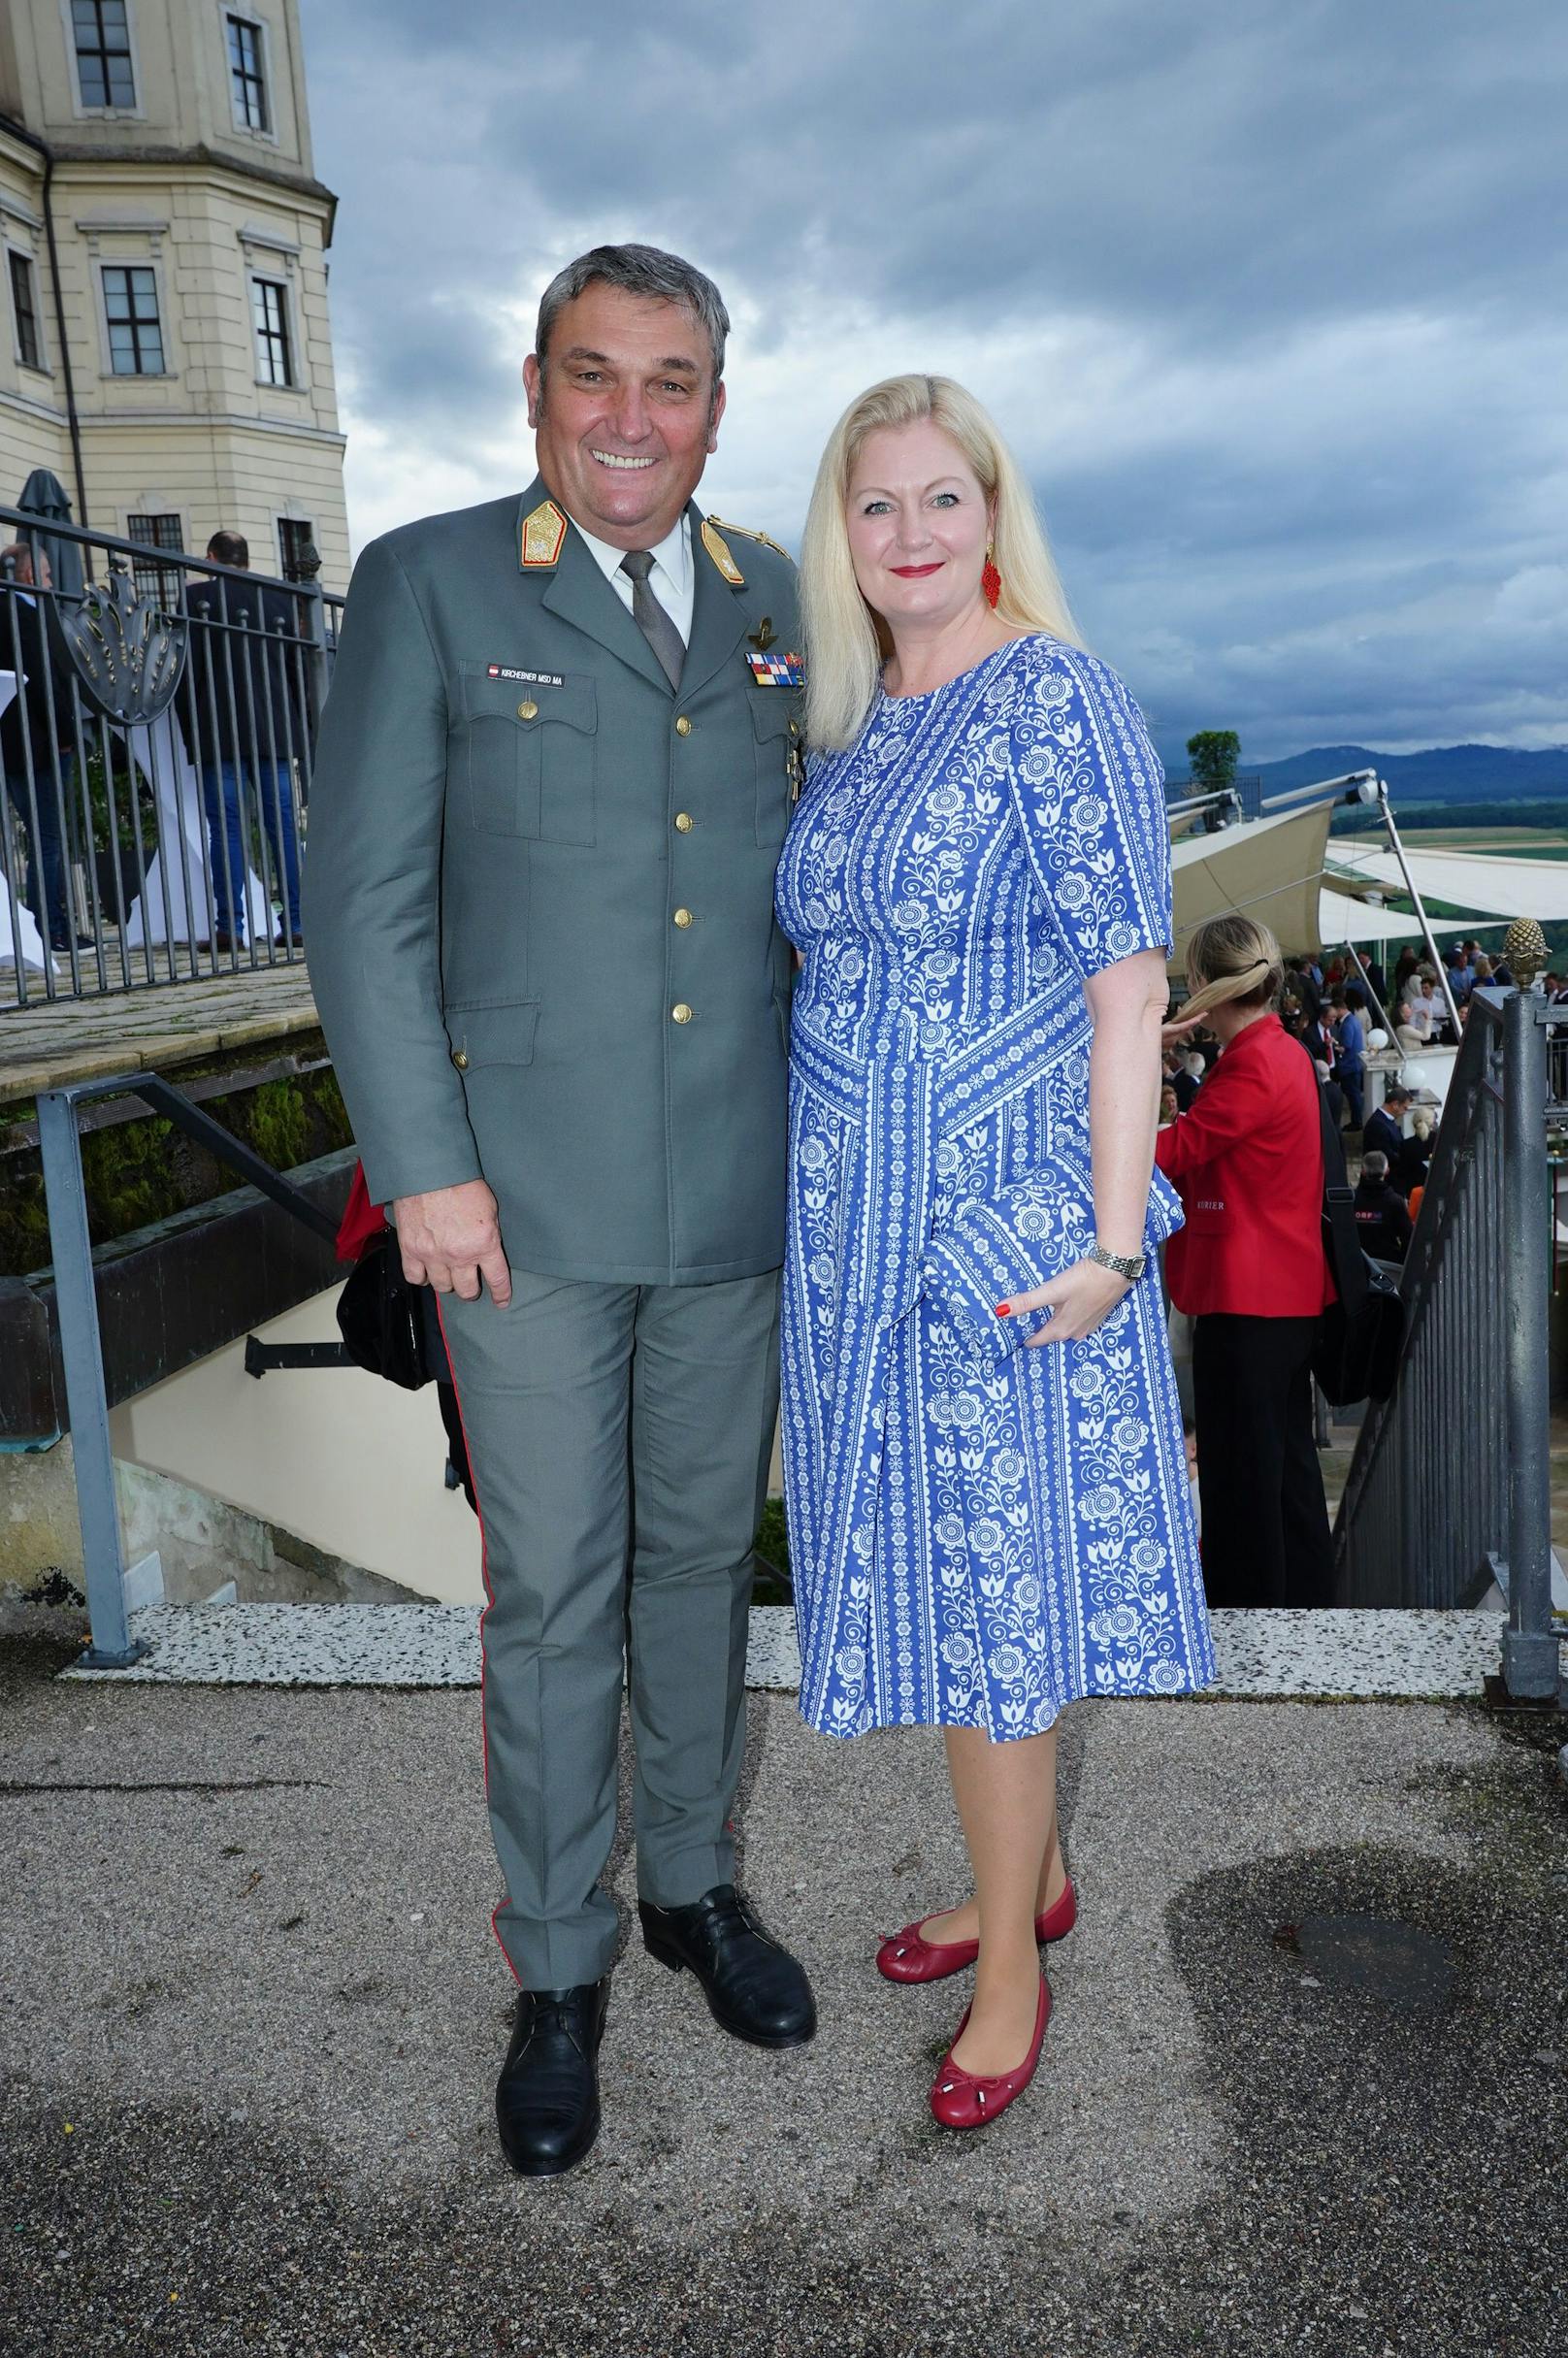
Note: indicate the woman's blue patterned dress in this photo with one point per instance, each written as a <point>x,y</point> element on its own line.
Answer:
<point>979,1532</point>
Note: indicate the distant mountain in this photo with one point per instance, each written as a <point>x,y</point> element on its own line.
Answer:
<point>1447,773</point>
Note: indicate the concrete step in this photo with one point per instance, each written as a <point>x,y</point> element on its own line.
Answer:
<point>1321,1654</point>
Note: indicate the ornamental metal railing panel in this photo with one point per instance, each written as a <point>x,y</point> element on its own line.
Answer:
<point>1449,1487</point>
<point>157,714</point>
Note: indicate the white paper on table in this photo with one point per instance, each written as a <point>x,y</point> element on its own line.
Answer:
<point>159,751</point>
<point>27,935</point>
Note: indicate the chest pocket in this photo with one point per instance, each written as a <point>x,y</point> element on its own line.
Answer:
<point>776,719</point>
<point>529,751</point>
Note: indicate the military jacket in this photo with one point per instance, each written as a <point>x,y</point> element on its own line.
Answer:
<point>538,892</point>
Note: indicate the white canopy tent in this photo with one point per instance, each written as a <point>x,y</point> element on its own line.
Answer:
<point>1341,918</point>
<point>1504,888</point>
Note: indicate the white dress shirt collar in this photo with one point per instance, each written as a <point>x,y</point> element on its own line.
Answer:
<point>670,579</point>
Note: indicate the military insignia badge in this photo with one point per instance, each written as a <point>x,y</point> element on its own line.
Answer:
<point>545,531</point>
<point>777,670</point>
<point>722,558</point>
<point>763,636</point>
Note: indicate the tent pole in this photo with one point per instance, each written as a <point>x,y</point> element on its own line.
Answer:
<point>1421,918</point>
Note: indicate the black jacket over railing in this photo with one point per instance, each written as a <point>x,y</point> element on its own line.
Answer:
<point>40,709</point>
<point>242,671</point>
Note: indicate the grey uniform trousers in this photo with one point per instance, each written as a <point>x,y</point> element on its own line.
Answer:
<point>619,1438</point>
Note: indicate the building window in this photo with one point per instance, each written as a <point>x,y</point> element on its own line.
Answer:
<point>103,39</point>
<point>269,309</point>
<point>24,309</point>
<point>131,308</point>
<point>296,549</point>
<point>248,74</point>
<point>161,581</point>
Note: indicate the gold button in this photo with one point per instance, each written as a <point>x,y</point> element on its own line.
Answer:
<point>683,726</point>
<point>795,727</point>
<point>682,1013</point>
<point>460,1058</point>
<point>684,822</point>
<point>683,918</point>
<point>528,709</point>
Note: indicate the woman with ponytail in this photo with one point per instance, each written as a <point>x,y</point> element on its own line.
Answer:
<point>1249,1271</point>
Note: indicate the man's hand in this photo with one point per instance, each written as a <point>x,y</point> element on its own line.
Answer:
<point>450,1238</point>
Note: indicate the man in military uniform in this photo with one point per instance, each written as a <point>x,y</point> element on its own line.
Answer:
<point>553,776</point>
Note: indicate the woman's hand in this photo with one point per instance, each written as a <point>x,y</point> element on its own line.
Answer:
<point>1077,1300</point>
<point>1171,1035</point>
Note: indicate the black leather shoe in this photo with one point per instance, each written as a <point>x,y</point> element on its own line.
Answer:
<point>547,2095</point>
<point>755,1990</point>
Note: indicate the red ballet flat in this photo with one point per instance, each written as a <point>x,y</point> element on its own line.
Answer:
<point>908,1956</point>
<point>964,2099</point>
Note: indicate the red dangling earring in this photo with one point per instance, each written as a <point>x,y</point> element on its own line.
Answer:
<point>990,579</point>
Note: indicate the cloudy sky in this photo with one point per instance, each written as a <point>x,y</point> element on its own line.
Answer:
<point>1267,294</point>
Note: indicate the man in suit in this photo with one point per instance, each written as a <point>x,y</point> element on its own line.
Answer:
<point>36,730</point>
<point>241,707</point>
<point>1384,1130</point>
<point>553,777</point>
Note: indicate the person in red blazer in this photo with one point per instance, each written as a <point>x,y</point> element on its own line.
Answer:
<point>1250,1270</point>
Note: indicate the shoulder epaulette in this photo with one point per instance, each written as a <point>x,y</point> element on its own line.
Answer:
<point>746,533</point>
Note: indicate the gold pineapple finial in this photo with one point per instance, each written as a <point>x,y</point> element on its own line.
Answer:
<point>1524,946</point>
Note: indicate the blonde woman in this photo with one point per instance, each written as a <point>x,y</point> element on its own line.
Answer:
<point>984,1460</point>
<point>1248,1270</point>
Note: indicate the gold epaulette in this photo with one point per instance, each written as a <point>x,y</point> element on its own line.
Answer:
<point>746,533</point>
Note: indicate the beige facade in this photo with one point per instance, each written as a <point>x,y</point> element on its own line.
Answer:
<point>169,141</point>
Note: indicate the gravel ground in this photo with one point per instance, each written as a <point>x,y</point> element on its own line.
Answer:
<point>251,2017</point>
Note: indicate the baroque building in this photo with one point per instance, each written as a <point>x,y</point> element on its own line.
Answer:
<point>164,336</point>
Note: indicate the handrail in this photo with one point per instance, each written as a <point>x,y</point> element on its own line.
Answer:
<point>1449,1487</point>
<point>80,1344</point>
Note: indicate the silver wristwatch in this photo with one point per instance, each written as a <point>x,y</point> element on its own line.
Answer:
<point>1130,1265</point>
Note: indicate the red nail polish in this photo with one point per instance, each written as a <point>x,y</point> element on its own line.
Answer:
<point>1004,1309</point>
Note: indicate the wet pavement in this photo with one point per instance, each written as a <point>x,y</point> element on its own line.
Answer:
<point>1303,2089</point>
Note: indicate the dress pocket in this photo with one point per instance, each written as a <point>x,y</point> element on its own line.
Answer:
<point>990,1248</point>
<point>529,754</point>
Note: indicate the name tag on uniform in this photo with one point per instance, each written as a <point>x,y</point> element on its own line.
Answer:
<point>777,670</point>
<point>534,679</point>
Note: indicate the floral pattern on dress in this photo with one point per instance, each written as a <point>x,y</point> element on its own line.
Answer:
<point>978,1536</point>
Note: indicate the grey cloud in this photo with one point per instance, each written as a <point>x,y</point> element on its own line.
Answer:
<point>1295,519</point>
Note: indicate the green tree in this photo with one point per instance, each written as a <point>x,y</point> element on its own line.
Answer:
<point>1214,754</point>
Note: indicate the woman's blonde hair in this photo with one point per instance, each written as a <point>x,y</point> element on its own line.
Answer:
<point>1233,957</point>
<point>845,639</point>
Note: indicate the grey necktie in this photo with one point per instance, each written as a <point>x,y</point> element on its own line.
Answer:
<point>651,617</point>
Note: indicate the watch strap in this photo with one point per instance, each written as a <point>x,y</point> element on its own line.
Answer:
<point>1130,1265</point>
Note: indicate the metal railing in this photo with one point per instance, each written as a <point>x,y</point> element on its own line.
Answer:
<point>112,1585</point>
<point>1244,794</point>
<point>1448,1488</point>
<point>137,853</point>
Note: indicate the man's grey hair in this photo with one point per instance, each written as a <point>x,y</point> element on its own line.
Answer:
<point>1375,1164</point>
<point>637,270</point>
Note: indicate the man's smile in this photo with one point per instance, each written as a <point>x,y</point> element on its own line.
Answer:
<point>617,459</point>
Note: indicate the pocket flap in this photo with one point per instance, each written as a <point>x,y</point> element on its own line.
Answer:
<point>567,698</point>
<point>772,710</point>
<point>493,1030</point>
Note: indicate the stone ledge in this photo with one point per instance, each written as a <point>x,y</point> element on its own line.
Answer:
<point>1337,1656</point>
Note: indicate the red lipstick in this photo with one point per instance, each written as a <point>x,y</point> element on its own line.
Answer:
<point>915,573</point>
